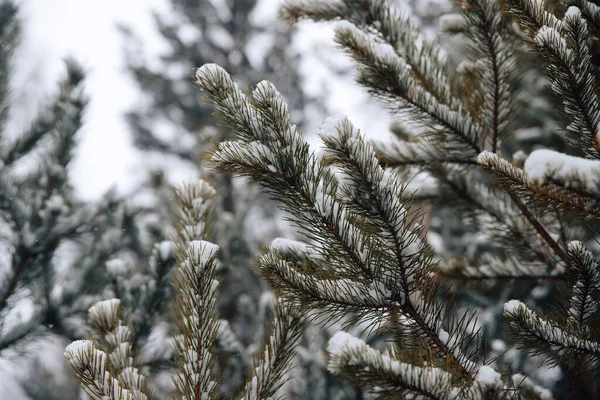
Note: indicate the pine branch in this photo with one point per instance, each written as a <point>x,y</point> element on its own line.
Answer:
<point>585,295</point>
<point>384,375</point>
<point>277,354</point>
<point>269,145</point>
<point>565,46</point>
<point>427,61</point>
<point>194,309</point>
<point>494,268</point>
<point>422,154</point>
<point>548,337</point>
<point>375,195</point>
<point>564,340</point>
<point>502,168</point>
<point>494,49</point>
<point>388,77</point>
<point>590,11</point>
<point>115,341</point>
<point>90,366</point>
<point>339,297</point>
<point>264,124</point>
<point>381,40</point>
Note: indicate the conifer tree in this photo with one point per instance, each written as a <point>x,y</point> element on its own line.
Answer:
<point>174,123</point>
<point>365,262</point>
<point>365,259</point>
<point>107,366</point>
<point>54,246</point>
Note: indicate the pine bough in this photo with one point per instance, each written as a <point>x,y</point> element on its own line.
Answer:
<point>108,368</point>
<point>364,260</point>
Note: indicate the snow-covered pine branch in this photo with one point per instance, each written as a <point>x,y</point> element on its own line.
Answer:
<point>275,360</point>
<point>575,174</point>
<point>514,181</point>
<point>566,47</point>
<point>571,340</point>
<point>393,278</point>
<point>386,375</point>
<point>386,24</point>
<point>197,328</point>
<point>493,50</point>
<point>550,181</point>
<point>118,375</point>
<point>194,307</point>
<point>90,366</point>
<point>401,67</point>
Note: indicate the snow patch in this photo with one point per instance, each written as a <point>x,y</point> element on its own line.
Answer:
<point>116,267</point>
<point>165,249</point>
<point>488,376</point>
<point>342,342</point>
<point>288,244</point>
<point>573,12</point>
<point>105,311</point>
<point>451,23</point>
<point>485,157</point>
<point>210,71</point>
<point>511,306</point>
<point>544,166</point>
<point>202,250</point>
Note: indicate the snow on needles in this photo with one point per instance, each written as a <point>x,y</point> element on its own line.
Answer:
<point>341,342</point>
<point>106,310</point>
<point>202,250</point>
<point>573,11</point>
<point>488,376</point>
<point>511,306</point>
<point>78,352</point>
<point>209,69</point>
<point>543,166</point>
<point>283,244</point>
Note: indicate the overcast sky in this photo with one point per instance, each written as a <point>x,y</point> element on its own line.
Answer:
<point>85,29</point>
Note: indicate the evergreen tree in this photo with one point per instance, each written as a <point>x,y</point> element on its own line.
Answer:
<point>54,246</point>
<point>365,262</point>
<point>108,366</point>
<point>528,216</point>
<point>174,123</point>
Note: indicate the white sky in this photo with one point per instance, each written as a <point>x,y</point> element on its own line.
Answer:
<point>85,29</point>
